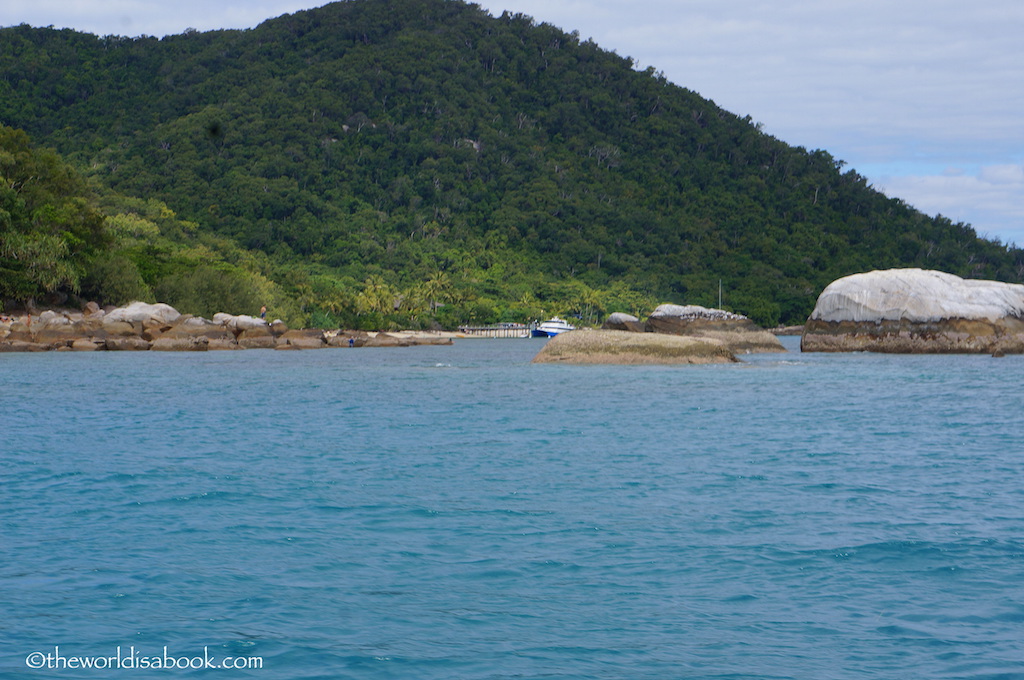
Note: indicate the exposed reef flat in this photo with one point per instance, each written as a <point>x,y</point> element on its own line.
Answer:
<point>618,347</point>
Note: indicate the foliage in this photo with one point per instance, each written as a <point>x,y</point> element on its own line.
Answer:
<point>413,162</point>
<point>47,228</point>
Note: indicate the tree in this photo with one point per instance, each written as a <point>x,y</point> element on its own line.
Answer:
<point>48,226</point>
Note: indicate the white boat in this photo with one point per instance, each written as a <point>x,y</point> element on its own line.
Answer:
<point>552,327</point>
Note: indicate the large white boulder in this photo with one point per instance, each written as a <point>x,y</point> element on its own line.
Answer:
<point>916,310</point>
<point>143,312</point>
<point>242,322</point>
<point>917,295</point>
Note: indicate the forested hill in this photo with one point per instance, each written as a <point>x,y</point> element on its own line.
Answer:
<point>416,152</point>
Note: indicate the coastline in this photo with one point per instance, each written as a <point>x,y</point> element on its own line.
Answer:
<point>159,327</point>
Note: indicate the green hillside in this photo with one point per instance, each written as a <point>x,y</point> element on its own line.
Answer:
<point>399,162</point>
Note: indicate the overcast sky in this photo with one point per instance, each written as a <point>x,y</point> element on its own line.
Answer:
<point>925,98</point>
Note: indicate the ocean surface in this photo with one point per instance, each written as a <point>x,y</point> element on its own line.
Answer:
<point>459,513</point>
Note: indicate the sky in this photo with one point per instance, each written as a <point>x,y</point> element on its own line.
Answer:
<point>924,98</point>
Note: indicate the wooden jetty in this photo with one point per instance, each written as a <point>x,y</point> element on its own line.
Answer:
<point>502,330</point>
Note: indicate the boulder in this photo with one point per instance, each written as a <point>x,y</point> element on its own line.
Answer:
<point>181,343</point>
<point>116,328</point>
<point>265,342</point>
<point>19,332</point>
<point>89,327</point>
<point>683,319</point>
<point>54,339</point>
<point>87,345</point>
<point>430,340</point>
<point>126,344</point>
<point>226,343</point>
<point>311,338</point>
<point>916,311</point>
<point>616,347</point>
<point>223,344</point>
<point>620,321</point>
<point>348,339</point>
<point>51,319</point>
<point>258,337</point>
<point>143,314</point>
<point>736,331</point>
<point>194,326</point>
<point>385,340</point>
<point>241,323</point>
<point>92,310</point>
<point>22,346</point>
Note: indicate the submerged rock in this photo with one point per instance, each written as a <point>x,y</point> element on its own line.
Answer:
<point>616,347</point>
<point>916,311</point>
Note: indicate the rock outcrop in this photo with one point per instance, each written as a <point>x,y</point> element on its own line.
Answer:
<point>145,314</point>
<point>620,321</point>
<point>735,331</point>
<point>310,338</point>
<point>616,347</point>
<point>916,311</point>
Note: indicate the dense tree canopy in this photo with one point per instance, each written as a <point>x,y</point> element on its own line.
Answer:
<point>416,161</point>
<point>47,228</point>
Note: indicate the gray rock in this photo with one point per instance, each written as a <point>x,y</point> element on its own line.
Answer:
<point>181,343</point>
<point>126,344</point>
<point>302,339</point>
<point>737,332</point>
<point>620,321</point>
<point>87,345</point>
<point>385,340</point>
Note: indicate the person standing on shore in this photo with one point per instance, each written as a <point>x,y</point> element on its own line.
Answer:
<point>263,312</point>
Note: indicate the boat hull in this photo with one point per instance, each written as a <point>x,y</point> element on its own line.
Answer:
<point>551,328</point>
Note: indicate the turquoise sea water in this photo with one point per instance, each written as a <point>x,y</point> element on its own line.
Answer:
<point>456,512</point>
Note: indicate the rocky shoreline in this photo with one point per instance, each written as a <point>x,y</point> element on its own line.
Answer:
<point>159,327</point>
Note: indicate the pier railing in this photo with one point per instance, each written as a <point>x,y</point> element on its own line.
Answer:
<point>503,330</point>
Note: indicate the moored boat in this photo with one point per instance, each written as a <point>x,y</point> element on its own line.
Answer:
<point>552,327</point>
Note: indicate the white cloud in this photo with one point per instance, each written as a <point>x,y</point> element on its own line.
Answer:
<point>990,198</point>
<point>146,17</point>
